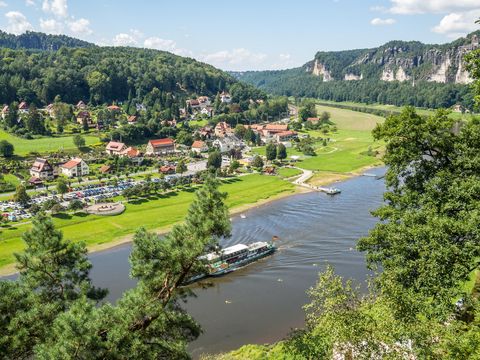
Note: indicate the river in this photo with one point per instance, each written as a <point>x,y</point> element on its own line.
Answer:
<point>263,302</point>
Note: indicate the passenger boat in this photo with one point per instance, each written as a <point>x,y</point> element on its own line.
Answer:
<point>232,258</point>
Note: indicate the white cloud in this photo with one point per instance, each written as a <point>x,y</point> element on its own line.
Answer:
<point>458,23</point>
<point>17,22</point>
<point>378,21</point>
<point>80,27</point>
<point>30,3</point>
<point>236,59</point>
<point>157,43</point>
<point>56,7</point>
<point>51,26</point>
<point>405,7</point>
<point>124,40</point>
<point>3,4</point>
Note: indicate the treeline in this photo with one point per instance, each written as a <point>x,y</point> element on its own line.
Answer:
<point>40,41</point>
<point>109,74</point>
<point>298,83</point>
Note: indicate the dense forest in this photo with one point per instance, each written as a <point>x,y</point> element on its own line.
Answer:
<point>40,41</point>
<point>110,74</point>
<point>297,82</point>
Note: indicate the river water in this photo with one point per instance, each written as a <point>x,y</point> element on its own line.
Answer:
<point>263,302</point>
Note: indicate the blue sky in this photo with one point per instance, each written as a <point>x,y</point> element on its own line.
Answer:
<point>246,34</point>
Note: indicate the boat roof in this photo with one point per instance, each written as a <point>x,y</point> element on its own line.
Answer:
<point>210,256</point>
<point>232,249</point>
<point>257,245</point>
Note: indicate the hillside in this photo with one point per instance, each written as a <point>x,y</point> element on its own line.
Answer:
<point>107,74</point>
<point>398,72</point>
<point>39,41</point>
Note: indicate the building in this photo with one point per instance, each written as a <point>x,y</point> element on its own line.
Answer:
<point>133,154</point>
<point>115,148</point>
<point>285,136</point>
<point>5,112</point>
<point>81,105</point>
<point>104,169</point>
<point>206,132</point>
<point>167,169</point>
<point>204,101</point>
<point>160,147</point>
<point>194,104</point>
<point>42,169</point>
<point>225,97</point>
<point>75,168</point>
<point>313,120</point>
<point>114,108</point>
<point>227,143</point>
<point>140,107</point>
<point>222,129</point>
<point>23,108</point>
<point>276,128</point>
<point>132,119</point>
<point>199,146</point>
<point>208,110</point>
<point>84,116</point>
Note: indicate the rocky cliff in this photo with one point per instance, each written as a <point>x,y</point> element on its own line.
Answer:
<point>398,61</point>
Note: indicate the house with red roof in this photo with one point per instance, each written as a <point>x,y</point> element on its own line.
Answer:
<point>199,146</point>
<point>132,119</point>
<point>133,154</point>
<point>113,108</point>
<point>160,147</point>
<point>285,136</point>
<point>115,148</point>
<point>23,108</point>
<point>75,168</point>
<point>222,129</point>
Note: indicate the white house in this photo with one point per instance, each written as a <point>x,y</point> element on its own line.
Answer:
<point>225,97</point>
<point>227,143</point>
<point>75,168</point>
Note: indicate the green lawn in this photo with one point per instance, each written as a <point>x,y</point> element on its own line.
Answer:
<point>12,179</point>
<point>351,120</point>
<point>44,144</point>
<point>288,172</point>
<point>393,108</point>
<point>157,213</point>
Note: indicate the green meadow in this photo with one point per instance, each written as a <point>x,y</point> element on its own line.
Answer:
<point>44,144</point>
<point>158,212</point>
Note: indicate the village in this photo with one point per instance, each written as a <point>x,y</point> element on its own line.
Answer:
<point>113,170</point>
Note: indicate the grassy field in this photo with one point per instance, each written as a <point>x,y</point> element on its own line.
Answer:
<point>351,120</point>
<point>156,213</point>
<point>41,145</point>
<point>288,172</point>
<point>392,108</point>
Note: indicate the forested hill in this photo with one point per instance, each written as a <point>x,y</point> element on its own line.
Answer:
<point>111,74</point>
<point>399,73</point>
<point>40,41</point>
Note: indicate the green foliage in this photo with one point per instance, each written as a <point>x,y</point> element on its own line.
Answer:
<point>53,275</point>
<point>40,41</point>
<point>78,141</point>
<point>62,186</point>
<point>307,110</point>
<point>271,152</point>
<point>181,167</point>
<point>214,160</point>
<point>21,195</point>
<point>281,152</point>
<point>257,162</point>
<point>6,149</point>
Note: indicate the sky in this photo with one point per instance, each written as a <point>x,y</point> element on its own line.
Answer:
<point>245,34</point>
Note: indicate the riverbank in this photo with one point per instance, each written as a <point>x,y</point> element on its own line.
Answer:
<point>158,213</point>
<point>273,189</point>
